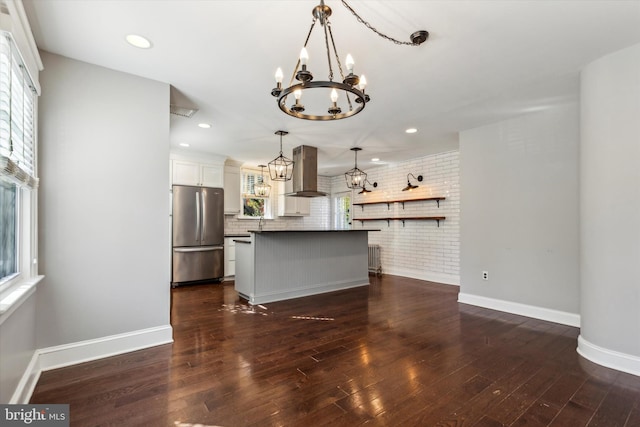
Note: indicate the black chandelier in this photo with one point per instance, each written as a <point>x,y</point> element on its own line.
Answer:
<point>281,168</point>
<point>355,177</point>
<point>352,85</point>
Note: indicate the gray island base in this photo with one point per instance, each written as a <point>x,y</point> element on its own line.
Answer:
<point>279,265</point>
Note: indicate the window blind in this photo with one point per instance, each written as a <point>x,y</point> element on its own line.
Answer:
<point>17,98</point>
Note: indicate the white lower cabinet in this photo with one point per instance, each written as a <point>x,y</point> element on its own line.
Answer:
<point>229,257</point>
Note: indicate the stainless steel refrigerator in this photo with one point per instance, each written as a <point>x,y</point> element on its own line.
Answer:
<point>198,234</point>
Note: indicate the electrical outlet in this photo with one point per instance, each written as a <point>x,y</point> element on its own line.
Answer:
<point>485,275</point>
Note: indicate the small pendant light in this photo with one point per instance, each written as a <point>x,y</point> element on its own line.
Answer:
<point>262,189</point>
<point>281,168</point>
<point>355,177</point>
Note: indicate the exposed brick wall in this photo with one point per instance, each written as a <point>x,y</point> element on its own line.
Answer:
<point>418,249</point>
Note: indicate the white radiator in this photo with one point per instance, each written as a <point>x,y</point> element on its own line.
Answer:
<point>374,259</point>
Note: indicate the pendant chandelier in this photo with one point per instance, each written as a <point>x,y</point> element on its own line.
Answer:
<point>355,177</point>
<point>261,189</point>
<point>281,168</point>
<point>350,89</point>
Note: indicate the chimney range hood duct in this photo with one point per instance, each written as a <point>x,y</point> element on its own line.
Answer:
<point>305,172</point>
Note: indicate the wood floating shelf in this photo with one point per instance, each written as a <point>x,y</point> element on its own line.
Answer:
<point>403,219</point>
<point>403,201</point>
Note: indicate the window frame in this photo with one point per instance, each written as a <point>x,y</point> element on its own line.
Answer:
<point>347,220</point>
<point>20,170</point>
<point>244,172</point>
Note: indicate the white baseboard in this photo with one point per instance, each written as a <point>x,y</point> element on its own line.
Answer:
<point>268,297</point>
<point>556,316</point>
<point>27,383</point>
<point>84,351</point>
<point>447,279</point>
<point>608,358</point>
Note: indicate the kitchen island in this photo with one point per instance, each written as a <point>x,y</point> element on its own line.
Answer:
<point>278,265</point>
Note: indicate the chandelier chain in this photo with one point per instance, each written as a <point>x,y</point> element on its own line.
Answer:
<point>335,52</point>
<point>372,28</point>
<point>327,27</point>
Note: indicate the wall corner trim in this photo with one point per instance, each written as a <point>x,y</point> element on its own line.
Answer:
<point>84,351</point>
<point>608,358</point>
<point>541,313</point>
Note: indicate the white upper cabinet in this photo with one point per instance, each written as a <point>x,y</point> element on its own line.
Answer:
<point>292,206</point>
<point>212,176</point>
<point>203,173</point>
<point>185,173</point>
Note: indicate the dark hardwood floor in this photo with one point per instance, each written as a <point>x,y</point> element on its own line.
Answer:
<point>400,352</point>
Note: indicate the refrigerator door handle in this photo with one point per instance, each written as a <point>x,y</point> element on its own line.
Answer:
<point>203,231</point>
<point>198,216</point>
<point>199,249</point>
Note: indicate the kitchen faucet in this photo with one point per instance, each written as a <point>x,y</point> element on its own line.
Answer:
<point>260,223</point>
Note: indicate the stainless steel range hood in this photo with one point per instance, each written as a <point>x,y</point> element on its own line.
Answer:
<point>305,172</point>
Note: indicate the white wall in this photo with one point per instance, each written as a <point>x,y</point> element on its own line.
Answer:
<point>418,249</point>
<point>104,204</point>
<point>17,346</point>
<point>519,214</point>
<point>610,210</point>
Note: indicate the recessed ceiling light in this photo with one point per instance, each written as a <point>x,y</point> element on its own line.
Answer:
<point>375,159</point>
<point>138,41</point>
<point>184,144</point>
<point>204,125</point>
<point>411,130</point>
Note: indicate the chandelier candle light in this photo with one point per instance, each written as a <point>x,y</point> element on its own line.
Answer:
<point>352,85</point>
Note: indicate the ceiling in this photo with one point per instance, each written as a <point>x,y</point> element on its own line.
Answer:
<point>484,61</point>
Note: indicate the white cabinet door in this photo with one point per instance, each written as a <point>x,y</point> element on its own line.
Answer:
<point>185,173</point>
<point>231,190</point>
<point>229,257</point>
<point>211,176</point>
<point>292,206</point>
<point>303,205</point>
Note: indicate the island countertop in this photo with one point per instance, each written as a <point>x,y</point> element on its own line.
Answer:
<point>309,231</point>
<point>275,265</point>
